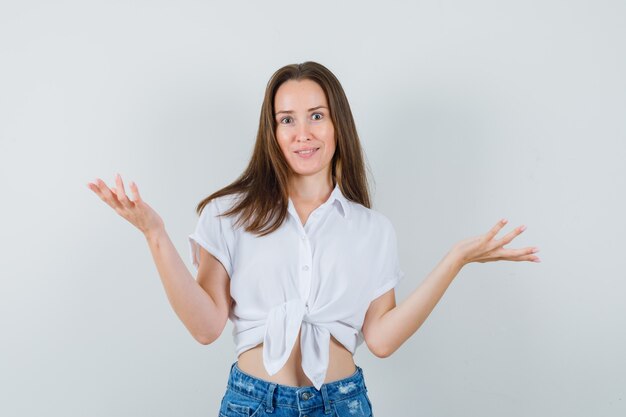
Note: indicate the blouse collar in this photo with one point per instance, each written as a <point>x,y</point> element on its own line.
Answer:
<point>336,196</point>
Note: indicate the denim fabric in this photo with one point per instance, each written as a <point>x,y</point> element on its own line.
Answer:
<point>248,396</point>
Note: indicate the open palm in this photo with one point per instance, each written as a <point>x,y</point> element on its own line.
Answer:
<point>485,248</point>
<point>136,211</point>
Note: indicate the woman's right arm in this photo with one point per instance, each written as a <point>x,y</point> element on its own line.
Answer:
<point>203,305</point>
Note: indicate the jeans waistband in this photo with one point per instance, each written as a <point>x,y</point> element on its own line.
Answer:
<point>286,395</point>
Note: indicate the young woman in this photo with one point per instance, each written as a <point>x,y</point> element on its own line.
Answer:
<point>294,255</point>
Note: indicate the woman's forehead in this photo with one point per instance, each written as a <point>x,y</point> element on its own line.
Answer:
<point>301,94</point>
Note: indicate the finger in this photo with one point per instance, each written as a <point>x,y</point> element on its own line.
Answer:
<point>525,254</point>
<point>135,190</point>
<point>531,258</point>
<point>511,235</point>
<point>495,229</point>
<point>94,187</point>
<point>106,195</point>
<point>120,193</point>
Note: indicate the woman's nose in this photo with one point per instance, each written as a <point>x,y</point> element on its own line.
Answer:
<point>304,132</point>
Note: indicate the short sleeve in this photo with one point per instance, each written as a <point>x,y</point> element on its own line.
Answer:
<point>390,273</point>
<point>209,234</point>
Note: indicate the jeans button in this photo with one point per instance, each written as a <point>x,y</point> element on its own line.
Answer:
<point>306,396</point>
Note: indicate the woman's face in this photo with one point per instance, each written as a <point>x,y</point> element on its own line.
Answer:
<point>303,123</point>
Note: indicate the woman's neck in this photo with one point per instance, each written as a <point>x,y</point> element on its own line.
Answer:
<point>310,190</point>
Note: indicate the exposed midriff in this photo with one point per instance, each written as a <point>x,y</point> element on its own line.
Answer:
<point>340,365</point>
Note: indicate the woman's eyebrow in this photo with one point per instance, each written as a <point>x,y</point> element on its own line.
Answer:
<point>291,111</point>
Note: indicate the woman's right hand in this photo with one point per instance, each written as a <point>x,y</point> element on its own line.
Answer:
<point>136,211</point>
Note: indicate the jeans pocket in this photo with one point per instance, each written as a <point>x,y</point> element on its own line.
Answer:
<point>236,404</point>
<point>356,406</point>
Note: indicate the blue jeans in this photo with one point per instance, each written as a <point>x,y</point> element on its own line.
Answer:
<point>248,396</point>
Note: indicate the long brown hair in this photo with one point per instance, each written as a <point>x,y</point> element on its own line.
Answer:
<point>263,185</point>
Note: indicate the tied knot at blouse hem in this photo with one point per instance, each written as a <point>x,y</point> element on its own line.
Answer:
<point>319,277</point>
<point>283,323</point>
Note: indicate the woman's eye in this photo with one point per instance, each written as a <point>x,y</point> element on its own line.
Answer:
<point>288,119</point>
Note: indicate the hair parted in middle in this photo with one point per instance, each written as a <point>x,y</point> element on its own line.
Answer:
<point>263,186</point>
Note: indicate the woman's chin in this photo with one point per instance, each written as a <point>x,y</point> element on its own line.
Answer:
<point>303,172</point>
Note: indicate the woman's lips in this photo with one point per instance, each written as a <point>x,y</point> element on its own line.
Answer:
<point>306,154</point>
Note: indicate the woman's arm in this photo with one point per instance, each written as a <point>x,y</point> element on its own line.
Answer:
<point>203,305</point>
<point>396,325</point>
<point>199,313</point>
<point>387,326</point>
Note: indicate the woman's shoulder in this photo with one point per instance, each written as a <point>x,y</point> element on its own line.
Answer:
<point>214,210</point>
<point>229,198</point>
<point>370,216</point>
<point>224,202</point>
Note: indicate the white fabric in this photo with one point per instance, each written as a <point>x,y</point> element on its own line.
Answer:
<point>320,277</point>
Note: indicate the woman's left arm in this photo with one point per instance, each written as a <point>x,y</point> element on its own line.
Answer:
<point>386,326</point>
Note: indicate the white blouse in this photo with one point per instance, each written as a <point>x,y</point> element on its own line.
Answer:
<point>320,277</point>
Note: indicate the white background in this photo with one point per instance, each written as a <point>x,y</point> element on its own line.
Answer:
<point>468,112</point>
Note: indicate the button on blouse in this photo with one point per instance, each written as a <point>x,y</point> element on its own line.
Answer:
<point>319,277</point>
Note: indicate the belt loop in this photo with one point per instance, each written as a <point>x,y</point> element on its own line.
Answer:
<point>362,376</point>
<point>269,403</point>
<point>327,408</point>
<point>230,374</point>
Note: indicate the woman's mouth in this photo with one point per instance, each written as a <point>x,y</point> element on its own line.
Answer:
<point>306,154</point>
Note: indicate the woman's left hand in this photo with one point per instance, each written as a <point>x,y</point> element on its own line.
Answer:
<point>485,248</point>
